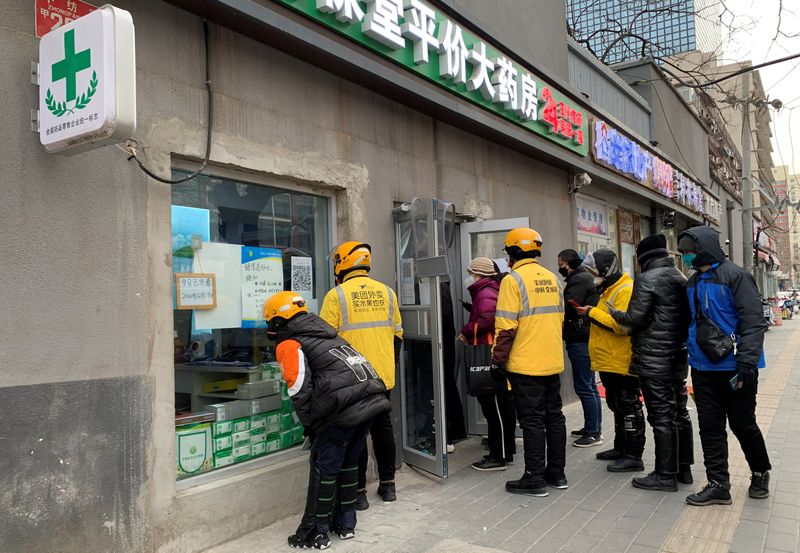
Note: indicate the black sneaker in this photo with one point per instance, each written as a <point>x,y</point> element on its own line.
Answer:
<point>362,503</point>
<point>684,475</point>
<point>609,455</point>
<point>311,541</point>
<point>759,485</point>
<point>626,464</point>
<point>528,485</point>
<point>588,440</point>
<point>387,491</point>
<point>579,432</point>
<point>345,533</point>
<point>489,464</point>
<point>713,494</point>
<point>656,482</point>
<point>557,483</point>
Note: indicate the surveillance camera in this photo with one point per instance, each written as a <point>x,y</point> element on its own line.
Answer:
<point>578,181</point>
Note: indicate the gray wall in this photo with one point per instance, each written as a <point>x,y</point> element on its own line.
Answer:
<point>86,361</point>
<point>535,31</point>
<point>676,129</point>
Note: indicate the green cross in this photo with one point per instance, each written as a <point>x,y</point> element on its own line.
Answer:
<point>72,64</point>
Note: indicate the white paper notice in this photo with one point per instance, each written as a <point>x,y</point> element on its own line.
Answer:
<point>262,276</point>
<point>224,260</point>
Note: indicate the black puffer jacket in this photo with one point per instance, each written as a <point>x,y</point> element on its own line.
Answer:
<point>658,316</point>
<point>343,388</point>
<point>580,288</point>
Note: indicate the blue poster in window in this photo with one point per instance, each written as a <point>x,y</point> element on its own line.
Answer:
<point>262,276</point>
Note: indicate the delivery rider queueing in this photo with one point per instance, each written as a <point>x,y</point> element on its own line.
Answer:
<point>336,394</point>
<point>366,314</point>
<point>529,353</point>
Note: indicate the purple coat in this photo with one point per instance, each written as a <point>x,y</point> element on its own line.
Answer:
<point>480,328</point>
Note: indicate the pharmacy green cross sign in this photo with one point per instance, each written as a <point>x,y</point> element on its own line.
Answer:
<point>72,64</point>
<point>68,69</point>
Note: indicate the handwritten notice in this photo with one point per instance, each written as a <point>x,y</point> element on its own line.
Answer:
<point>196,290</point>
<point>262,276</point>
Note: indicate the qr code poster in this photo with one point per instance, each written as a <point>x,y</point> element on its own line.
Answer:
<point>302,277</point>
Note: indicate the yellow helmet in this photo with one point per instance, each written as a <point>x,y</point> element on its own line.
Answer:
<point>526,239</point>
<point>284,305</point>
<point>351,255</point>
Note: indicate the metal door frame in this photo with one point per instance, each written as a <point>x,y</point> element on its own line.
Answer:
<point>476,424</point>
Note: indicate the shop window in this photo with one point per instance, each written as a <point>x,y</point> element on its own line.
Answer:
<point>237,242</point>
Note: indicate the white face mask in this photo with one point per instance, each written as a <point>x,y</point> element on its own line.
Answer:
<point>598,280</point>
<point>469,281</point>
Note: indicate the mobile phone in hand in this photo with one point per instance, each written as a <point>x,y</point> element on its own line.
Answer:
<point>734,382</point>
<point>573,303</point>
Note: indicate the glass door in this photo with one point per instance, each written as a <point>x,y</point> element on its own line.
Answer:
<point>424,232</point>
<point>484,239</point>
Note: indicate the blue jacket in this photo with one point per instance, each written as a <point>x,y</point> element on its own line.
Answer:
<point>728,295</point>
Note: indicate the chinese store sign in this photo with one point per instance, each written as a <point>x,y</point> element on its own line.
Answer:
<point>52,14</point>
<point>415,35</point>
<point>624,155</point>
<point>592,217</point>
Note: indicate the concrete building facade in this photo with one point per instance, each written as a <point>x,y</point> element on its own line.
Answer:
<point>315,139</point>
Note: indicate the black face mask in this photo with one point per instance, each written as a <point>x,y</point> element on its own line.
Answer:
<point>564,271</point>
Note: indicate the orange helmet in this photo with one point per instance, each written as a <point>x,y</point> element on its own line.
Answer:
<point>351,255</point>
<point>526,239</point>
<point>284,305</point>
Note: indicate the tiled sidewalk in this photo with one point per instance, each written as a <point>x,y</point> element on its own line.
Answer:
<point>600,512</point>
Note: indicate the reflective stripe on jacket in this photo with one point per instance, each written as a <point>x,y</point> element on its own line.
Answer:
<point>530,308</point>
<point>609,342</point>
<point>370,320</point>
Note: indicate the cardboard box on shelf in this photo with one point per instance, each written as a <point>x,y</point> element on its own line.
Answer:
<point>258,421</point>
<point>289,421</point>
<point>221,428</point>
<point>230,410</point>
<point>222,442</point>
<point>254,390</point>
<point>240,438</point>
<point>286,405</point>
<point>265,404</point>
<point>241,425</point>
<point>226,385</point>
<point>259,449</point>
<point>193,449</point>
<point>241,453</point>
<point>258,435</point>
<point>223,458</point>
<point>273,444</point>
<point>291,437</point>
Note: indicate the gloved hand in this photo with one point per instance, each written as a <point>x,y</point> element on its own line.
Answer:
<point>747,376</point>
<point>498,374</point>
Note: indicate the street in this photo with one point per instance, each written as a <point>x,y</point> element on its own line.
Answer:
<point>470,512</point>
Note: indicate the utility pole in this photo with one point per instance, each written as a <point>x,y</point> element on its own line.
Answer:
<point>747,184</point>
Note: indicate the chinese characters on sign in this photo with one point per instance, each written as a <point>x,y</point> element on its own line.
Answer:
<point>592,217</point>
<point>262,276</point>
<point>417,36</point>
<point>52,14</point>
<point>195,291</point>
<point>624,155</point>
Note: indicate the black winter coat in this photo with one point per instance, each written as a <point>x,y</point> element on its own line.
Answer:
<point>658,318</point>
<point>344,389</point>
<point>580,288</point>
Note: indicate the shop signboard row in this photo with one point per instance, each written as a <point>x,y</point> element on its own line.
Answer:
<point>617,151</point>
<point>420,38</point>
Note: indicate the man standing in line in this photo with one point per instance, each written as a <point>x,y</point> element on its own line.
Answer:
<point>529,353</point>
<point>610,351</point>
<point>580,290</point>
<point>726,349</point>
<point>366,314</point>
<point>658,318</point>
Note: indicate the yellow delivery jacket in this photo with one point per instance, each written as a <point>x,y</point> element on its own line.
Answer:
<point>610,345</point>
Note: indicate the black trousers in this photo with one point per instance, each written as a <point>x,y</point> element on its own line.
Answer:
<point>667,414</point>
<point>622,397</point>
<point>544,429</point>
<point>498,410</point>
<point>383,445</point>
<point>717,403</point>
<point>454,410</point>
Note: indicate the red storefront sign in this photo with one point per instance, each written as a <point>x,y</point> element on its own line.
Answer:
<point>52,14</point>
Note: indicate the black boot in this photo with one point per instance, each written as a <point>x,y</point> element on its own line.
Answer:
<point>684,475</point>
<point>713,494</point>
<point>362,503</point>
<point>759,485</point>
<point>528,485</point>
<point>313,540</point>
<point>387,491</point>
<point>656,482</point>
<point>626,464</point>
<point>609,455</point>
